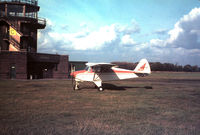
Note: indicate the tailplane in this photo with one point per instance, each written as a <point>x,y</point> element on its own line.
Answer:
<point>143,67</point>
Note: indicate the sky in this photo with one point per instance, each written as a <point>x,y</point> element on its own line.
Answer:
<point>166,31</point>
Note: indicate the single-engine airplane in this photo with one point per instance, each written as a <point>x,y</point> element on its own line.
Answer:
<point>101,72</point>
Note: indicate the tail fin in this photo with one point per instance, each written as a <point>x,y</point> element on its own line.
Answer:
<point>143,67</point>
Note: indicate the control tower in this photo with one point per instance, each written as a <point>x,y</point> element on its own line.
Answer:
<point>19,23</point>
<point>19,59</point>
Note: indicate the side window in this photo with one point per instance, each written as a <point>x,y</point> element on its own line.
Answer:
<point>106,70</point>
<point>97,69</point>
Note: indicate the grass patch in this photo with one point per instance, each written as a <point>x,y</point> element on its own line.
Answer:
<point>163,103</point>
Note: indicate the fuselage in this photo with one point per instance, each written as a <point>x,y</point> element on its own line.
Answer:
<point>101,72</point>
<point>109,75</point>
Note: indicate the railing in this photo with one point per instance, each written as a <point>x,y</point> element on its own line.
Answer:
<point>14,40</point>
<point>21,15</point>
<point>32,2</point>
<point>41,21</point>
<point>7,36</point>
<point>17,45</point>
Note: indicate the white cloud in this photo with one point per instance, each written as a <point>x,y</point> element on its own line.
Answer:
<point>182,45</point>
<point>140,47</point>
<point>161,31</point>
<point>127,40</point>
<point>175,33</point>
<point>157,42</point>
<point>94,40</point>
<point>85,39</point>
<point>186,31</point>
<point>129,29</point>
<point>64,27</point>
<point>83,25</point>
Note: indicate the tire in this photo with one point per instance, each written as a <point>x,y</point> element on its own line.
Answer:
<point>100,89</point>
<point>73,83</point>
<point>73,87</point>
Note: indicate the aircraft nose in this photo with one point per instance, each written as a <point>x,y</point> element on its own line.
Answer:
<point>72,74</point>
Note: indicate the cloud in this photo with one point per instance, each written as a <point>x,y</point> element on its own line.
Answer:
<point>161,31</point>
<point>157,43</point>
<point>183,42</point>
<point>83,25</point>
<point>119,42</point>
<point>186,31</point>
<point>127,40</point>
<point>129,29</point>
<point>45,43</point>
<point>86,39</point>
<point>65,27</point>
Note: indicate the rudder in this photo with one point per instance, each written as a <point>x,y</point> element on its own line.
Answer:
<point>143,67</point>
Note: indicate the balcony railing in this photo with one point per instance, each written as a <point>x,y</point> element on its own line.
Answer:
<point>32,2</point>
<point>17,45</point>
<point>41,21</point>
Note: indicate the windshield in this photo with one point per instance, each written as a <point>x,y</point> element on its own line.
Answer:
<point>86,68</point>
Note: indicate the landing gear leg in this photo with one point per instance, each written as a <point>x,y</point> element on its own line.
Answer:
<point>75,84</point>
<point>99,85</point>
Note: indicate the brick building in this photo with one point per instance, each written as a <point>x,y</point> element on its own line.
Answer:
<point>19,59</point>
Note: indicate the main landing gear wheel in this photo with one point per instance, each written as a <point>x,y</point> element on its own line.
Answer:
<point>100,89</point>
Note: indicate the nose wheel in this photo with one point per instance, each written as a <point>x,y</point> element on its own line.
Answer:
<point>75,85</point>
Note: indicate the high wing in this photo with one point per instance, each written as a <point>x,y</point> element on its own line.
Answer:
<point>100,67</point>
<point>100,64</point>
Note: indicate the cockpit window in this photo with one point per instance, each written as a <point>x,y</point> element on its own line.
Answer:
<point>86,68</point>
<point>89,69</point>
<point>98,69</point>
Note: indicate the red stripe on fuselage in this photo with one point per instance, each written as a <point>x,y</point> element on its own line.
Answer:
<point>77,72</point>
<point>121,71</point>
<point>116,71</point>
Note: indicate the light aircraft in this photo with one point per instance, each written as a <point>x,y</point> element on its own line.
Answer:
<point>101,72</point>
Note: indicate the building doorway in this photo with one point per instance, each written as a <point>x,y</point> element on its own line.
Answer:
<point>12,72</point>
<point>40,70</point>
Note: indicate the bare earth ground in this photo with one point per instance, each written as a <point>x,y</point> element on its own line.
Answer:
<point>164,103</point>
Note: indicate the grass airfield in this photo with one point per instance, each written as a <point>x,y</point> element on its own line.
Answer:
<point>163,103</point>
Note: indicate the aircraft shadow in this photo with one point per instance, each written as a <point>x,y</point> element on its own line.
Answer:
<point>108,86</point>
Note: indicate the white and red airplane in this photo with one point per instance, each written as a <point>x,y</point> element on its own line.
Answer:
<point>101,72</point>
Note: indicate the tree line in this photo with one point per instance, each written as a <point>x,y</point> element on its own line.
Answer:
<point>157,66</point>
